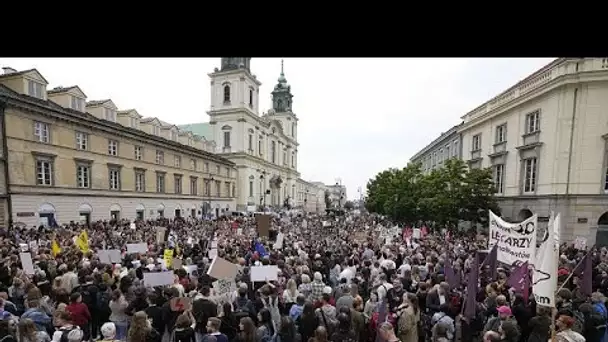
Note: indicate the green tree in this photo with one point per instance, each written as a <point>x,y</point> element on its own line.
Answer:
<point>349,205</point>
<point>478,196</point>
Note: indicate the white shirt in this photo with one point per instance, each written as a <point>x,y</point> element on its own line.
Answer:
<point>383,289</point>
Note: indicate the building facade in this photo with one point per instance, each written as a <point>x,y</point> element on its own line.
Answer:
<point>310,196</point>
<point>545,139</point>
<point>448,145</point>
<point>73,160</point>
<point>337,194</point>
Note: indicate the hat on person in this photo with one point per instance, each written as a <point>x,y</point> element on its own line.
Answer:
<point>504,310</point>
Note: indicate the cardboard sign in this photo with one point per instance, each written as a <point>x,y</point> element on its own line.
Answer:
<point>168,257</point>
<point>160,234</point>
<point>180,304</point>
<point>133,248</point>
<point>159,278</point>
<point>222,269</point>
<point>263,273</point>
<point>263,224</point>
<point>26,263</point>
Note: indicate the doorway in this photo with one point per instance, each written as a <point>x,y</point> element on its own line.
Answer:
<point>524,214</point>
<point>86,218</point>
<point>193,213</point>
<point>115,215</point>
<point>601,237</point>
<point>178,213</point>
<point>139,215</point>
<point>161,213</point>
<point>47,219</point>
<point>217,212</point>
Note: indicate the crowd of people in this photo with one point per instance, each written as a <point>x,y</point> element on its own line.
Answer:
<point>339,279</point>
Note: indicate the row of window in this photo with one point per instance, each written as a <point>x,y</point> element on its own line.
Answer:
<point>500,136</point>
<point>45,177</point>
<point>273,149</point>
<point>530,168</point>
<point>42,134</point>
<point>450,150</point>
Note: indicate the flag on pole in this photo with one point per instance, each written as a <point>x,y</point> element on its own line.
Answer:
<point>82,241</point>
<point>492,261</point>
<point>544,279</point>
<point>519,280</point>
<point>470,304</point>
<point>55,249</point>
<point>584,272</point>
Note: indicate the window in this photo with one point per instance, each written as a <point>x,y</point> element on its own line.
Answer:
<point>114,179</point>
<point>226,94</point>
<point>110,115</point>
<point>192,164</point>
<point>77,103</point>
<point>227,188</point>
<point>434,158</point>
<point>206,167</point>
<point>177,162</point>
<point>284,157</point>
<point>177,179</point>
<point>82,141</point>
<point>606,181</point>
<point>138,152</point>
<point>273,151</point>
<point>218,184</point>
<point>227,172</point>
<point>440,155</point>
<point>533,122</point>
<point>293,129</point>
<point>447,152</point>
<point>217,169</point>
<point>156,130</point>
<point>133,122</point>
<point>174,135</point>
<point>455,150</point>
<point>226,139</point>
<point>250,188</point>
<point>250,145</point>
<point>293,159</point>
<point>83,176</point>
<point>189,141</point>
<point>160,182</point>
<point>499,176</point>
<point>140,181</point>
<point>207,187</point>
<point>160,157</point>
<point>193,185</point>
<point>530,175</point>
<point>112,147</point>
<point>260,152</point>
<point>35,89</point>
<point>41,132</point>
<point>233,190</point>
<point>501,133</point>
<point>476,143</point>
<point>251,97</point>
<point>44,171</point>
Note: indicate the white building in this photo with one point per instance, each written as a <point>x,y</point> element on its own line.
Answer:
<point>546,140</point>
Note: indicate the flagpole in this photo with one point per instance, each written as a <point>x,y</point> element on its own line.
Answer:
<point>575,267</point>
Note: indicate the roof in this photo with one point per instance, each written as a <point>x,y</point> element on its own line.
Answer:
<point>202,128</point>
<point>97,102</point>
<point>23,72</point>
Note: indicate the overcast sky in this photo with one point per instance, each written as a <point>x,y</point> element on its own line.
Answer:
<point>357,116</point>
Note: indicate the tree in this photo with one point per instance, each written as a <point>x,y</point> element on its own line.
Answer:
<point>349,205</point>
<point>444,196</point>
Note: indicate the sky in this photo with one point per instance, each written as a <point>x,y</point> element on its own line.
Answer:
<point>358,116</point>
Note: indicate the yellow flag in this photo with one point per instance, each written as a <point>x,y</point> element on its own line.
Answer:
<point>168,256</point>
<point>55,249</point>
<point>177,249</point>
<point>82,241</point>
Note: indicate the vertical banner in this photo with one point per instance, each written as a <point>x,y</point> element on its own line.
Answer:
<point>544,279</point>
<point>516,242</point>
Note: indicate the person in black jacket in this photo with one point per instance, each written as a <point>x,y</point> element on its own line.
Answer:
<point>154,312</point>
<point>169,316</point>
<point>595,325</point>
<point>203,309</point>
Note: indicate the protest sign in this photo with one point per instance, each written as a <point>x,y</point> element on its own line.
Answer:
<point>168,257</point>
<point>263,224</point>
<point>26,263</point>
<point>222,269</point>
<point>133,248</point>
<point>180,304</point>
<point>263,273</point>
<point>580,242</point>
<point>159,278</point>
<point>544,278</point>
<point>516,241</point>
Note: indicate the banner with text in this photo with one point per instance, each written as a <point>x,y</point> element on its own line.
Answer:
<point>516,241</point>
<point>544,278</point>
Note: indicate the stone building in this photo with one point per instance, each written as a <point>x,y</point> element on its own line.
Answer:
<point>73,160</point>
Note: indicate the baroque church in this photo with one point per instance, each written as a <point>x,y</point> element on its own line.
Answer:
<point>264,146</point>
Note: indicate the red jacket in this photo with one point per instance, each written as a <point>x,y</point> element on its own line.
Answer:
<point>80,313</point>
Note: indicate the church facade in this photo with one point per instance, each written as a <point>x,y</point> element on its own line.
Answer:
<point>263,147</point>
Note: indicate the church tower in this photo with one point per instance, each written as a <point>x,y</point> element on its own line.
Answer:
<point>282,102</point>
<point>234,87</point>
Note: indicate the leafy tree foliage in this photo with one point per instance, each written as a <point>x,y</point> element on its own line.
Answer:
<point>444,196</point>
<point>349,205</point>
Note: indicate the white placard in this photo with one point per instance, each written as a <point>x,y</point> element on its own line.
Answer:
<point>24,247</point>
<point>27,263</point>
<point>133,248</point>
<point>516,241</point>
<point>110,256</point>
<point>304,224</point>
<point>239,231</point>
<point>326,224</point>
<point>214,244</point>
<point>224,286</point>
<point>263,273</point>
<point>279,243</point>
<point>212,253</point>
<point>416,233</point>
<point>544,278</point>
<point>133,226</point>
<point>159,278</point>
<point>190,268</point>
<point>222,269</point>
<point>580,242</point>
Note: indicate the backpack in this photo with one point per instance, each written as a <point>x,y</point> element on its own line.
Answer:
<point>241,311</point>
<point>103,301</point>
<point>66,332</point>
<point>579,322</point>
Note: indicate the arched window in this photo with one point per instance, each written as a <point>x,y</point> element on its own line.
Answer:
<point>226,94</point>
<point>280,105</point>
